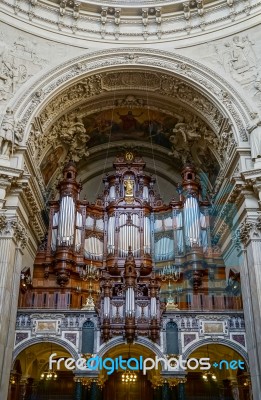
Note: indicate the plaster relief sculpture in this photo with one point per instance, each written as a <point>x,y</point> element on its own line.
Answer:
<point>255,143</point>
<point>191,140</point>
<point>237,58</point>
<point>165,85</point>
<point>257,86</point>
<point>69,133</point>
<point>8,133</point>
<point>18,62</point>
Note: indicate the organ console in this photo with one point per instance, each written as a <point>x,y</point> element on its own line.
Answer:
<point>150,256</point>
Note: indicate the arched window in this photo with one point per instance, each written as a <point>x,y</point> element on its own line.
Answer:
<point>87,337</point>
<point>172,338</point>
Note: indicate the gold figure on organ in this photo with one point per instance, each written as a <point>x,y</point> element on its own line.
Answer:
<point>128,184</point>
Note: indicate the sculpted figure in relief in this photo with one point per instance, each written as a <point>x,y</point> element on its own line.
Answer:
<point>238,58</point>
<point>191,141</point>
<point>255,142</point>
<point>7,135</point>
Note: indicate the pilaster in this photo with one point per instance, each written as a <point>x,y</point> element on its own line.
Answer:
<point>13,239</point>
<point>250,235</point>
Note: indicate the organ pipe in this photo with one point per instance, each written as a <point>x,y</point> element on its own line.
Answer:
<point>145,193</point>
<point>78,234</point>
<point>130,302</point>
<point>192,221</point>
<point>112,193</point>
<point>111,233</point>
<point>54,230</point>
<point>153,307</point>
<point>66,221</point>
<point>106,306</point>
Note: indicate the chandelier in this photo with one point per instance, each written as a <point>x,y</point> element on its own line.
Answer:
<point>89,272</point>
<point>209,375</point>
<point>49,376</point>
<point>170,272</point>
<point>128,377</point>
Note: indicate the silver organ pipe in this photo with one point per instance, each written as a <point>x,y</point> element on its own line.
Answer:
<point>93,248</point>
<point>168,222</point>
<point>179,232</point>
<point>192,221</point>
<point>152,241</point>
<point>111,233</point>
<point>153,307</point>
<point>99,224</point>
<point>54,230</point>
<point>89,222</point>
<point>66,221</point>
<point>130,302</point>
<point>147,248</point>
<point>129,236</point>
<point>145,193</point>
<point>107,306</point>
<point>133,301</point>
<point>164,248</point>
<point>112,193</point>
<point>78,234</point>
<point>204,238</point>
<point>126,302</point>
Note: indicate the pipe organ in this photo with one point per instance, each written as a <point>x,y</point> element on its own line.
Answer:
<point>149,256</point>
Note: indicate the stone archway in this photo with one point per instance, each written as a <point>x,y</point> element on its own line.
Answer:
<point>115,388</point>
<point>166,80</point>
<point>228,376</point>
<point>34,378</point>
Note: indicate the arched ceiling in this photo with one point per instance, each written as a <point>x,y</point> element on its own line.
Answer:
<point>172,108</point>
<point>165,118</point>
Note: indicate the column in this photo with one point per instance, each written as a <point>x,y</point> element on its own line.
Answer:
<point>157,393</point>
<point>250,235</point>
<point>13,238</point>
<point>23,389</point>
<point>165,392</point>
<point>181,391</point>
<point>86,392</point>
<point>234,389</point>
<point>78,389</point>
<point>96,392</point>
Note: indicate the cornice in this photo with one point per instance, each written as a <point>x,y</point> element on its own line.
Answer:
<point>113,21</point>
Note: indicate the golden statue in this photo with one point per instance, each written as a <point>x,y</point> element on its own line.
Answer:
<point>129,184</point>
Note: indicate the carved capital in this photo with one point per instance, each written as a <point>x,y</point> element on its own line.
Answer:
<point>3,222</point>
<point>13,228</point>
<point>19,233</point>
<point>250,229</point>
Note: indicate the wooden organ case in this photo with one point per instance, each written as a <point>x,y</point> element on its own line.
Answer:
<point>129,257</point>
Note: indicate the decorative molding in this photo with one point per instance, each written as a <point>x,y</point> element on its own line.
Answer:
<point>13,228</point>
<point>184,68</point>
<point>153,21</point>
<point>250,229</point>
